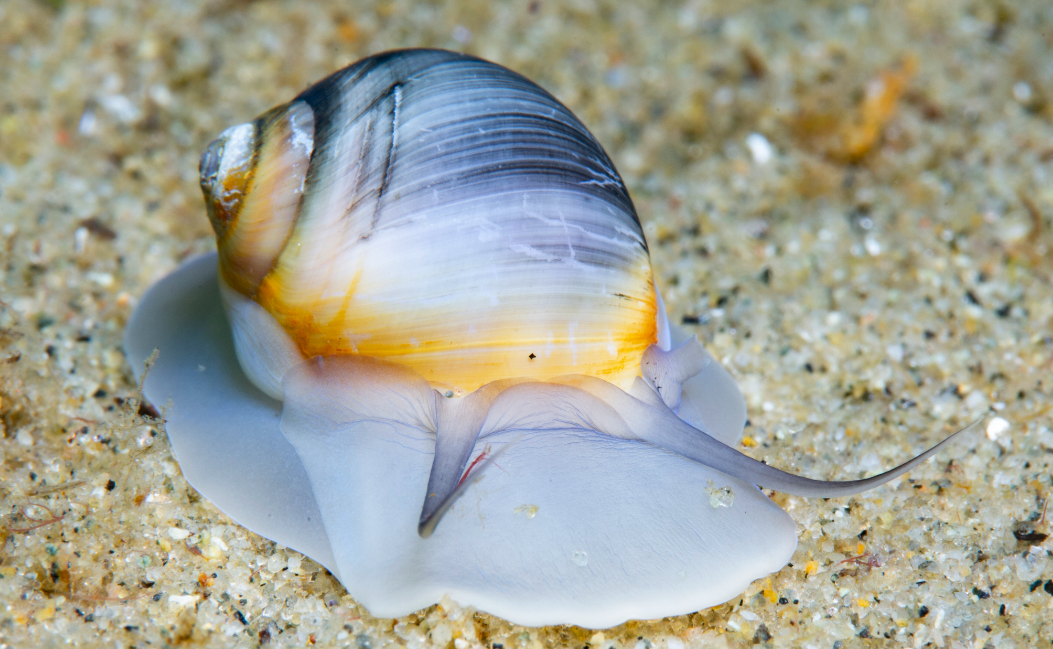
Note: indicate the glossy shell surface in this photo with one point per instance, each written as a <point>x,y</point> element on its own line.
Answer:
<point>446,194</point>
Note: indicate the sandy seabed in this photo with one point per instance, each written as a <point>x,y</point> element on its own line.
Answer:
<point>849,203</point>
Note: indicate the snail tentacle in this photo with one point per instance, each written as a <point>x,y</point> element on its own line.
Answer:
<point>663,428</point>
<point>704,449</point>
<point>666,371</point>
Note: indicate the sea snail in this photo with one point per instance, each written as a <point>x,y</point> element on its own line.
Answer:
<point>432,357</point>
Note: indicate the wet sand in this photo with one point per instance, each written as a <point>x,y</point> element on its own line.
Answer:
<point>850,205</point>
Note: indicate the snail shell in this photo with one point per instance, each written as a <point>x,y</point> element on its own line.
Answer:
<point>422,220</point>
<point>449,195</point>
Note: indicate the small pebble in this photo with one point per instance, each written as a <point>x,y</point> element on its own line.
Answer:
<point>996,427</point>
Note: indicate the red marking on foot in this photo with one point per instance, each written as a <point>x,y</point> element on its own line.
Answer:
<point>482,456</point>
